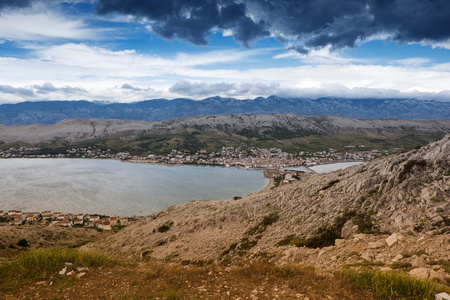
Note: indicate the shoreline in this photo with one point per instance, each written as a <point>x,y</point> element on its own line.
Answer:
<point>269,186</point>
<point>308,167</point>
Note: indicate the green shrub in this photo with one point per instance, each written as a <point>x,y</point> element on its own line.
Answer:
<point>371,192</point>
<point>246,244</point>
<point>165,227</point>
<point>329,184</point>
<point>23,243</point>
<point>261,226</point>
<point>364,222</point>
<point>325,236</point>
<point>445,264</point>
<point>401,265</point>
<point>435,199</point>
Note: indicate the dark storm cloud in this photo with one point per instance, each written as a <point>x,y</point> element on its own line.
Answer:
<point>302,24</point>
<point>190,20</point>
<point>14,4</point>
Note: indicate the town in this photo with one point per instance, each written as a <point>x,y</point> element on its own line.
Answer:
<point>243,156</point>
<point>104,224</point>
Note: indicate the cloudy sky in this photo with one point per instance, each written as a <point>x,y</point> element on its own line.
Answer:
<point>132,50</point>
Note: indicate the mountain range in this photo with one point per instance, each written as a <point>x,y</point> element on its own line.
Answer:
<point>51,112</point>
<point>287,131</point>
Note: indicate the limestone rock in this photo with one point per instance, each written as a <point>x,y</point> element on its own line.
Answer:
<point>376,245</point>
<point>392,239</point>
<point>421,273</point>
<point>349,229</point>
<point>440,275</point>
<point>442,296</point>
<point>397,258</point>
<point>418,261</point>
<point>367,255</point>
<point>339,242</point>
<point>359,237</point>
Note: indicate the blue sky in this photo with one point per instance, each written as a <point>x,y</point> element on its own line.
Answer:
<point>133,50</point>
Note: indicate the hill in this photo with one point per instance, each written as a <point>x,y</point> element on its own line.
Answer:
<point>324,220</point>
<point>289,132</point>
<point>51,112</point>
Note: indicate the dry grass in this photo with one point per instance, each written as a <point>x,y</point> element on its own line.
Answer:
<point>34,274</point>
<point>156,279</point>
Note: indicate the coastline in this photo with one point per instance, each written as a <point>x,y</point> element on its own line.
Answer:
<point>270,185</point>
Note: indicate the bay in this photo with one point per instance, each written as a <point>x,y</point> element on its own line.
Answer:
<point>112,187</point>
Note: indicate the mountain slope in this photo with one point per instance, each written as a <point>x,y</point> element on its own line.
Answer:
<point>50,112</point>
<point>75,130</point>
<point>407,194</point>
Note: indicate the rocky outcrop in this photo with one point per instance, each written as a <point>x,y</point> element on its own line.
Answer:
<point>372,212</point>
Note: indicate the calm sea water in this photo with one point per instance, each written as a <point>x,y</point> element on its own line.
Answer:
<point>333,167</point>
<point>114,188</point>
<point>326,168</point>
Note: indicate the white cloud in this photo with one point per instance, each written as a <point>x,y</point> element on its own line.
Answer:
<point>42,25</point>
<point>318,56</point>
<point>443,44</point>
<point>413,61</point>
<point>81,71</point>
<point>252,90</point>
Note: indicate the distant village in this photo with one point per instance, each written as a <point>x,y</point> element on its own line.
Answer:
<point>58,219</point>
<point>245,157</point>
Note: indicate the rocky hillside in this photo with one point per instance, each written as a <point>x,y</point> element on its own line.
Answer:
<point>76,130</point>
<point>405,197</point>
<point>51,112</point>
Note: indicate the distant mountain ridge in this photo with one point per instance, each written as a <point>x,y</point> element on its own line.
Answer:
<point>51,112</point>
<point>76,130</point>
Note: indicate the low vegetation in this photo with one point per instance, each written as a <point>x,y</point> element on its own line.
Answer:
<point>161,280</point>
<point>156,279</point>
<point>165,227</point>
<point>392,285</point>
<point>445,264</point>
<point>42,264</point>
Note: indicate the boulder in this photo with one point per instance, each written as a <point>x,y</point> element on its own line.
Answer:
<point>421,273</point>
<point>375,245</point>
<point>349,229</point>
<point>359,237</point>
<point>367,255</point>
<point>397,258</point>
<point>440,275</point>
<point>339,242</point>
<point>392,239</point>
<point>418,261</point>
<point>442,296</point>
